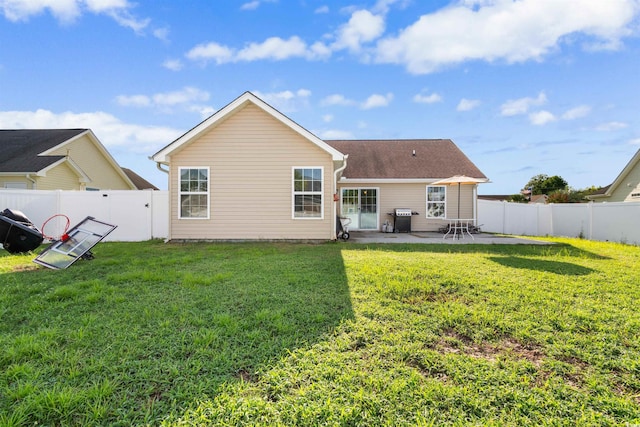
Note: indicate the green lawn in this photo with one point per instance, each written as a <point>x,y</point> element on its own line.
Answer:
<point>330,334</point>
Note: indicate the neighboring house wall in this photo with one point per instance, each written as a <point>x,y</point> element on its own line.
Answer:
<point>104,175</point>
<point>628,187</point>
<point>60,176</point>
<point>251,156</point>
<point>15,181</point>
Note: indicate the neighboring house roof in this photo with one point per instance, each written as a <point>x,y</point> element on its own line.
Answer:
<point>404,159</point>
<point>620,179</point>
<point>495,197</point>
<point>20,150</point>
<point>600,191</point>
<point>26,151</point>
<point>538,198</point>
<point>138,181</point>
<point>230,109</point>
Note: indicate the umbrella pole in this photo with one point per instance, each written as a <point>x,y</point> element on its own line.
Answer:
<point>458,200</point>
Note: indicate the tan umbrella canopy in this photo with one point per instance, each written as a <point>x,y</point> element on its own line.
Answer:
<point>460,180</point>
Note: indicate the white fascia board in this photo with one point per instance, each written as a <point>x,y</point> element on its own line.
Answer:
<point>163,155</point>
<point>386,181</point>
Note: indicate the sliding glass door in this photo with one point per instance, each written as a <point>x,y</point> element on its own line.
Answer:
<point>361,206</point>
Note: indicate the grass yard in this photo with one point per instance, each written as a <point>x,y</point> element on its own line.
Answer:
<point>330,334</point>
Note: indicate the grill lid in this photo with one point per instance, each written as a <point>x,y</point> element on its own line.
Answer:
<point>402,212</point>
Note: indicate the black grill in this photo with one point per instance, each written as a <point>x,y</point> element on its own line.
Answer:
<point>402,220</point>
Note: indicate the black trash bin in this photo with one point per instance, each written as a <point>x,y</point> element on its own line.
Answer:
<point>402,220</point>
<point>17,232</point>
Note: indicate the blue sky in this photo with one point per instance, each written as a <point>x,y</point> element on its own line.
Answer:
<point>522,87</point>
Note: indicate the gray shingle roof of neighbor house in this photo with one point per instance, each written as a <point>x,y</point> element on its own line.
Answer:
<point>138,181</point>
<point>404,159</point>
<point>20,149</point>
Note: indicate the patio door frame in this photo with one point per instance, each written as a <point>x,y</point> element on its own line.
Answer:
<point>356,217</point>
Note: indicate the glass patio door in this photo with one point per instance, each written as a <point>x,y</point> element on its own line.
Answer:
<point>361,206</point>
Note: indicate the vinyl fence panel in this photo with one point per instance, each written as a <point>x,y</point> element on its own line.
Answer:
<point>616,222</point>
<point>139,215</point>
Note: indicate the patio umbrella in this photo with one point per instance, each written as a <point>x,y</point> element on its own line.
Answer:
<point>459,180</point>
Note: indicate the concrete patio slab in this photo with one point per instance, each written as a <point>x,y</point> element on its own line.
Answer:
<point>434,237</point>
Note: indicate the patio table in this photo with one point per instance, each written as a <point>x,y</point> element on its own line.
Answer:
<point>457,228</point>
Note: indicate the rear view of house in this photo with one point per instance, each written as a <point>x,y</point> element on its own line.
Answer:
<point>248,172</point>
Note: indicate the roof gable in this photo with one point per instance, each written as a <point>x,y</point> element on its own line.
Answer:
<point>21,151</point>
<point>405,159</point>
<point>35,151</point>
<point>621,178</point>
<point>230,109</point>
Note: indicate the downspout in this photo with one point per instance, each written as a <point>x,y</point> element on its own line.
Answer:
<point>159,166</point>
<point>33,181</point>
<point>335,191</point>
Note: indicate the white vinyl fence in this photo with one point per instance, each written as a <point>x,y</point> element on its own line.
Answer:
<point>144,215</point>
<point>139,215</point>
<point>614,222</point>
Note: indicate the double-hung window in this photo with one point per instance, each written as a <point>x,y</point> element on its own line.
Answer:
<point>436,198</point>
<point>307,192</point>
<point>194,192</point>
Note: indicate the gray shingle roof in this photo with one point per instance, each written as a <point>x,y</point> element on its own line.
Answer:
<point>20,149</point>
<point>395,159</point>
<point>138,181</point>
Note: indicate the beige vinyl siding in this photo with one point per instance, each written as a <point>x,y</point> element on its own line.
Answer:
<point>628,186</point>
<point>92,161</point>
<point>251,156</point>
<point>60,177</point>
<point>14,179</point>
<point>414,196</point>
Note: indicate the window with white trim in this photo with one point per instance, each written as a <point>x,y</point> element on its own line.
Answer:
<point>194,192</point>
<point>436,201</point>
<point>307,192</point>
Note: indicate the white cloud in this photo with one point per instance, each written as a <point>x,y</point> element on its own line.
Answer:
<point>611,126</point>
<point>161,34</point>
<point>185,96</point>
<point>133,100</point>
<point>286,101</point>
<point>110,130</point>
<point>427,99</point>
<point>252,5</point>
<point>335,134</point>
<point>363,26</point>
<point>273,48</point>
<point>211,51</point>
<point>337,99</point>
<point>635,141</point>
<point>173,64</point>
<point>327,118</point>
<point>540,118</point>
<point>577,112</point>
<point>467,104</point>
<point>514,107</point>
<point>188,99</point>
<point>505,30</point>
<point>377,101</point>
<point>322,9</point>
<point>68,11</point>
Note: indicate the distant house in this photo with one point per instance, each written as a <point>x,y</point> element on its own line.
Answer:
<point>138,181</point>
<point>248,172</point>
<point>58,159</point>
<point>625,188</point>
